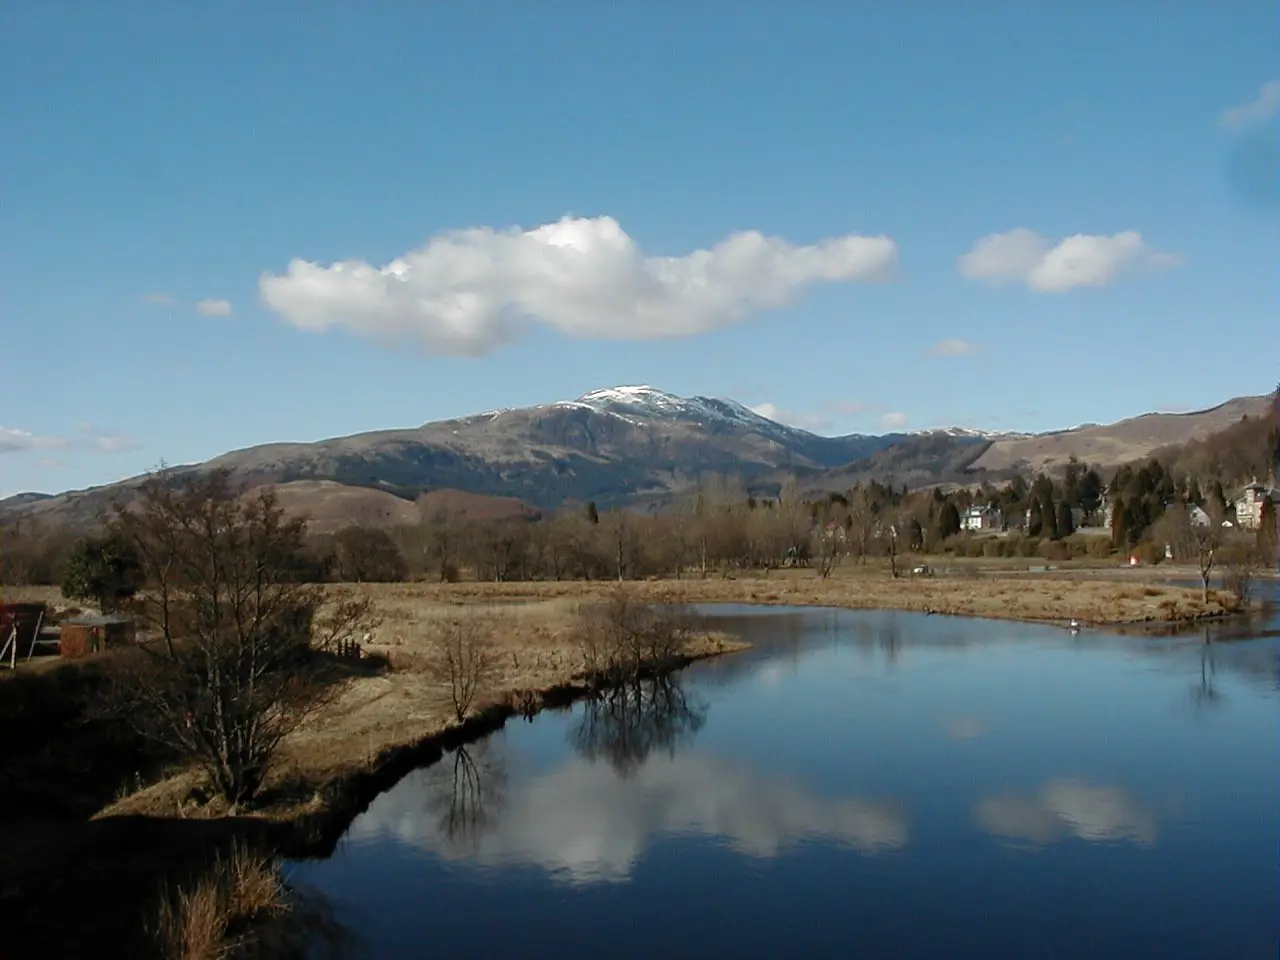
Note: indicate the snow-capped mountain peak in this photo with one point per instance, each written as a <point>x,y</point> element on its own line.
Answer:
<point>643,402</point>
<point>969,433</point>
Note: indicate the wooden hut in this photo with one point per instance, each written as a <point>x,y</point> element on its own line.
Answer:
<point>82,636</point>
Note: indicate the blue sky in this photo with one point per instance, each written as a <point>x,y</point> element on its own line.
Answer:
<point>882,193</point>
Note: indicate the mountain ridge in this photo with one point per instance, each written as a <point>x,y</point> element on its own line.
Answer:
<point>632,444</point>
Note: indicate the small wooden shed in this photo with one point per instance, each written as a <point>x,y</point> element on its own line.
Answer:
<point>82,636</point>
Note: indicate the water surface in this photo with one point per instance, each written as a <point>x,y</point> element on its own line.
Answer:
<point>858,784</point>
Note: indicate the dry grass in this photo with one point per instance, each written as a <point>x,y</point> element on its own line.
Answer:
<point>535,645</point>
<point>211,918</point>
<point>535,641</point>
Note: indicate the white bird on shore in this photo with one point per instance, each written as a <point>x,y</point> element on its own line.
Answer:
<point>1075,625</point>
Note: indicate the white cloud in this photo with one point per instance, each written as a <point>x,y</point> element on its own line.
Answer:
<point>953,348</point>
<point>1262,108</point>
<point>23,441</point>
<point>470,292</point>
<point>894,421</point>
<point>1081,260</point>
<point>105,441</point>
<point>585,824</point>
<point>20,441</point>
<point>163,299</point>
<point>214,308</point>
<point>1065,808</point>
<point>50,463</point>
<point>805,421</point>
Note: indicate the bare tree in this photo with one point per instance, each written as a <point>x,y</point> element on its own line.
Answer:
<point>623,638</point>
<point>829,537</point>
<point>862,524</point>
<point>465,658</point>
<point>1241,561</point>
<point>1196,540</point>
<point>237,666</point>
<point>888,534</point>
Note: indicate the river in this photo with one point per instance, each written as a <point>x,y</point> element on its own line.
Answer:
<point>858,784</point>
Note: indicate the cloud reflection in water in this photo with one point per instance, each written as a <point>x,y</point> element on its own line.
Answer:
<point>1068,808</point>
<point>584,823</point>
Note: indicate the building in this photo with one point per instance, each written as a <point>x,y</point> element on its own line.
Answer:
<point>1249,504</point>
<point>1198,517</point>
<point>976,519</point>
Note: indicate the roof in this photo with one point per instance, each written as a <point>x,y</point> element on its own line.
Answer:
<point>96,620</point>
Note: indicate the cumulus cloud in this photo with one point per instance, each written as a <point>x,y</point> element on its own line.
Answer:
<point>163,299</point>
<point>894,421</point>
<point>214,308</point>
<point>805,421</point>
<point>470,292</point>
<point>1258,110</point>
<point>1081,260</point>
<point>1068,808</point>
<point>953,348</point>
<point>585,824</point>
<point>13,440</point>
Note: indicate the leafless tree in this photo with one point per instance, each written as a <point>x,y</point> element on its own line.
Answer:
<point>623,638</point>
<point>1196,541</point>
<point>465,658</point>
<point>236,667</point>
<point>1242,559</point>
<point>829,538</point>
<point>862,524</point>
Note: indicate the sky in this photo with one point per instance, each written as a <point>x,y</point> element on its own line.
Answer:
<point>227,224</point>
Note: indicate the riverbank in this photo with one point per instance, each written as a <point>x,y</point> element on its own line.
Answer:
<point>395,716</point>
<point>399,709</point>
<point>398,714</point>
<point>401,717</point>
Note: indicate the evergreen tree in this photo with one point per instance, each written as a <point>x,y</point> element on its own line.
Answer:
<point>1120,518</point>
<point>593,515</point>
<point>1066,524</point>
<point>948,521</point>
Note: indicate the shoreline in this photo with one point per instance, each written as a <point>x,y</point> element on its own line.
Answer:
<point>393,720</point>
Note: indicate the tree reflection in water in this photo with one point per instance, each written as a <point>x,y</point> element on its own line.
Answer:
<point>625,724</point>
<point>466,791</point>
<point>1206,694</point>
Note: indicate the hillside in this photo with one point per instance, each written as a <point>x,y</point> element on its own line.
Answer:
<point>918,461</point>
<point>1116,443</point>
<point>631,446</point>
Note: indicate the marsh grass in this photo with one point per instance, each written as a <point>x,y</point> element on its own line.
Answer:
<point>213,916</point>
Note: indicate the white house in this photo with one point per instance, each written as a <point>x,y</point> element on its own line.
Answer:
<point>1198,517</point>
<point>1250,502</point>
<point>976,519</point>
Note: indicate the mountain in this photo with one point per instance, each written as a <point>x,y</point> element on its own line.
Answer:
<point>610,446</point>
<point>635,446</point>
<point>934,457</point>
<point>1117,443</point>
<point>613,446</point>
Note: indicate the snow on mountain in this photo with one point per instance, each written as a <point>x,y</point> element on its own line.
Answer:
<point>969,433</point>
<point>644,402</point>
